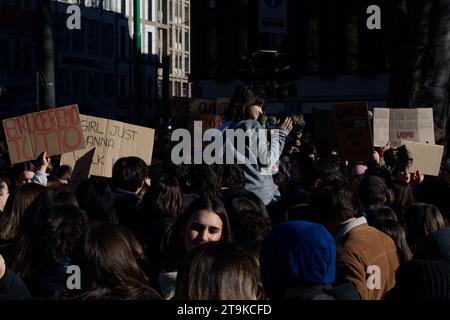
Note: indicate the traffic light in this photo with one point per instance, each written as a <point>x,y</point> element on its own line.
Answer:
<point>263,90</point>
<point>284,75</point>
<point>262,63</point>
<point>271,72</point>
<point>244,69</point>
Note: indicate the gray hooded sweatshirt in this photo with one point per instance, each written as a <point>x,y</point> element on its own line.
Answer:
<point>257,155</point>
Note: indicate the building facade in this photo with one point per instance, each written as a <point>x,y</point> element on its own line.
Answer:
<point>93,65</point>
<point>334,55</point>
<point>17,57</point>
<point>173,20</point>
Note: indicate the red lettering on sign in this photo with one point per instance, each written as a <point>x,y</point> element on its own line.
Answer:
<point>75,116</point>
<point>77,134</point>
<point>20,148</point>
<point>22,121</point>
<point>405,134</point>
<point>11,129</point>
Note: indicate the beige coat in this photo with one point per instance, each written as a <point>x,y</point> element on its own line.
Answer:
<point>363,246</point>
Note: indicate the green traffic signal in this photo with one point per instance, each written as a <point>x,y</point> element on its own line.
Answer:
<point>283,92</point>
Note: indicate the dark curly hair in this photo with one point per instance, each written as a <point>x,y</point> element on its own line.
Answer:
<point>243,98</point>
<point>49,240</point>
<point>398,160</point>
<point>250,226</point>
<point>129,173</point>
<point>334,202</point>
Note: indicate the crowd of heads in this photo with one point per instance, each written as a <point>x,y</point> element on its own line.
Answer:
<point>193,232</point>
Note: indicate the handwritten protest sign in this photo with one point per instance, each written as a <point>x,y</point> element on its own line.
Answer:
<point>324,128</point>
<point>81,170</point>
<point>55,130</point>
<point>393,125</point>
<point>353,132</point>
<point>210,112</point>
<point>426,157</point>
<point>112,140</point>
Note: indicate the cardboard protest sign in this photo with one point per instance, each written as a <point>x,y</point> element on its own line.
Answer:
<point>426,157</point>
<point>324,127</point>
<point>112,140</point>
<point>393,125</point>
<point>55,130</point>
<point>353,132</point>
<point>210,112</point>
<point>81,170</point>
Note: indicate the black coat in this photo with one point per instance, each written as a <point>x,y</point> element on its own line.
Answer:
<point>13,288</point>
<point>346,291</point>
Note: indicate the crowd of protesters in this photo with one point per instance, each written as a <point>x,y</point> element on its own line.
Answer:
<point>317,228</point>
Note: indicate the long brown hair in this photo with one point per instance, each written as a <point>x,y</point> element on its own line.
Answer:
<point>46,237</point>
<point>219,271</point>
<point>177,250</point>
<point>421,219</point>
<point>164,198</point>
<point>15,208</point>
<point>108,259</point>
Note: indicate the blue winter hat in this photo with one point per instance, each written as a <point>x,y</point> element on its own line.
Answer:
<point>297,253</point>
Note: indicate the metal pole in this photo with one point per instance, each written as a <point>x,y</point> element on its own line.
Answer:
<point>137,113</point>
<point>37,91</point>
<point>46,54</point>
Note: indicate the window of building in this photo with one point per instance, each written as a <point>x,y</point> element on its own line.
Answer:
<point>78,83</point>
<point>186,41</point>
<point>108,44</point>
<point>149,10</point>
<point>351,43</point>
<point>123,6</point>
<point>186,66</point>
<point>177,88</point>
<point>176,12</point>
<point>122,89</point>
<point>164,12</point>
<point>212,52</point>
<point>170,10</point>
<point>149,88</point>
<point>93,84</point>
<point>169,37</point>
<point>165,41</point>
<point>107,4</point>
<point>63,34</point>
<point>26,64</point>
<point>186,16</point>
<point>123,42</point>
<point>149,43</point>
<point>66,84</point>
<point>108,90</point>
<point>4,54</point>
<point>92,34</point>
<point>78,39</point>
<point>185,91</point>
